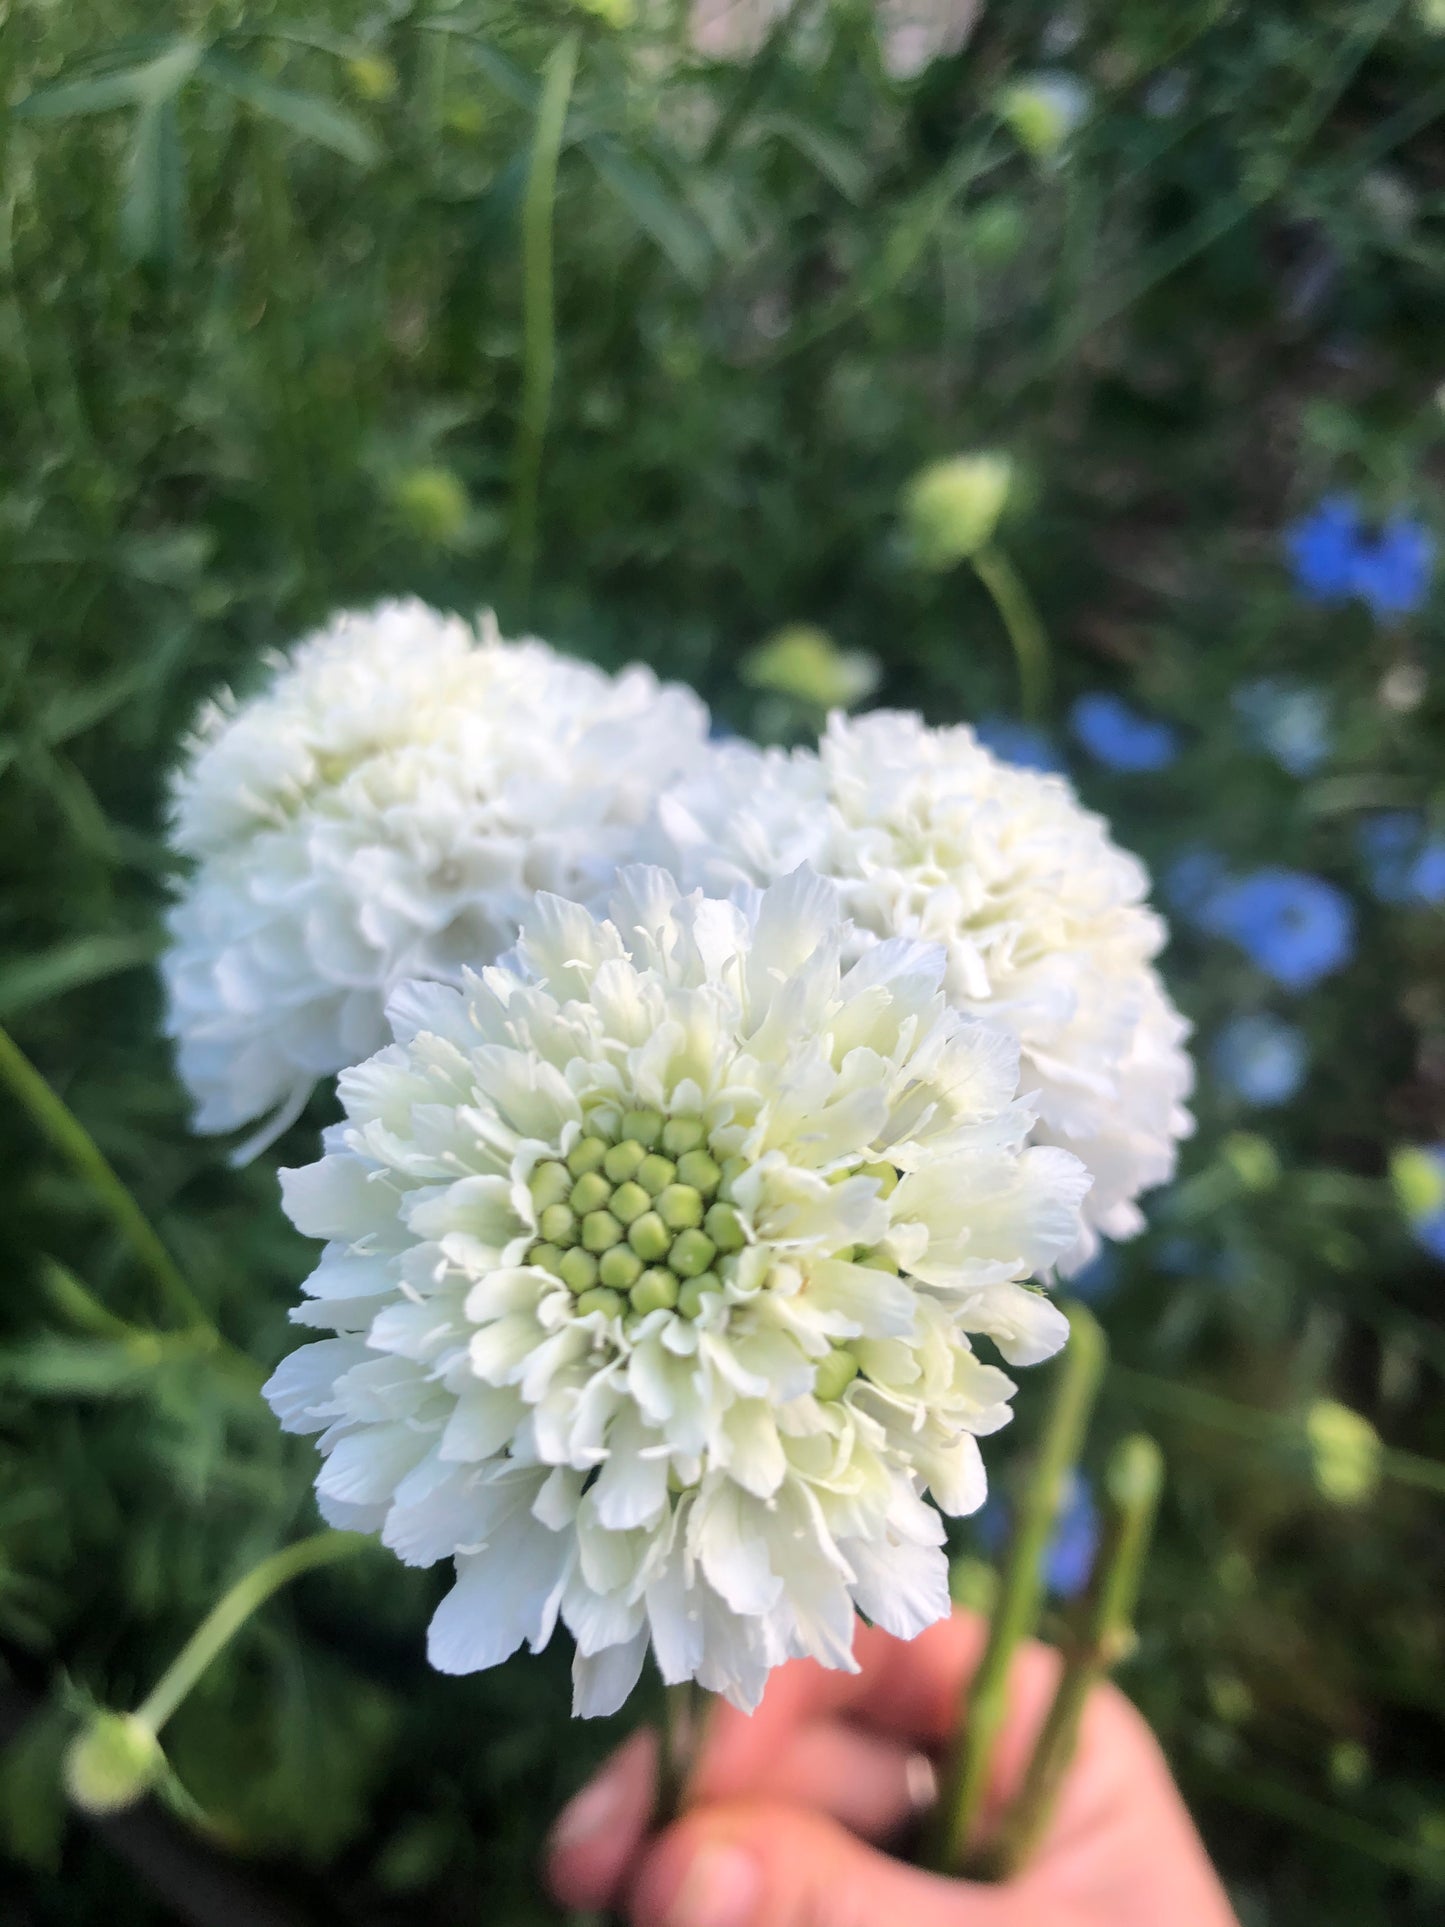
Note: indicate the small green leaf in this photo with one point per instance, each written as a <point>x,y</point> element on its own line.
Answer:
<point>27,981</point>
<point>834,161</point>
<point>656,211</point>
<point>152,205</point>
<point>55,1367</point>
<point>150,80</point>
<point>305,114</point>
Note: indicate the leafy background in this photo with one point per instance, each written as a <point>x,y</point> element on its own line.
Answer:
<point>268,345</point>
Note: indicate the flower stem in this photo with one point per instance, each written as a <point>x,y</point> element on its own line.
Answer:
<point>684,1716</point>
<point>966,1782</point>
<point>70,1137</point>
<point>231,1612</point>
<point>1132,1485</point>
<point>539,341</point>
<point>1024,625</point>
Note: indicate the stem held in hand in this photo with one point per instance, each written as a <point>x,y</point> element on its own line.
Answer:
<point>1020,1596</point>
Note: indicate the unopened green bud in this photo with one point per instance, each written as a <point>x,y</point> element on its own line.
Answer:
<point>629,1201</point>
<point>591,1192</point>
<point>113,1763</point>
<point>599,1298</point>
<point>655,1290</point>
<point>372,75</point>
<point>1418,1176</point>
<point>680,1206</point>
<point>649,1237</point>
<point>802,661</point>
<point>732,1170</point>
<point>886,1174</point>
<point>725,1228</point>
<point>550,1184</point>
<point>693,1295</point>
<point>645,1126</point>
<point>1346,1452</point>
<point>1044,110</point>
<point>578,1269</point>
<point>600,1231</point>
<point>1253,1159</point>
<point>546,1258</point>
<point>692,1252</point>
<point>433,503</point>
<point>876,1259</point>
<point>558,1225</point>
<point>834,1374</point>
<point>620,1268</point>
<point>622,1160</point>
<point>586,1155</point>
<point>655,1173</point>
<point>951,509</point>
<point>681,1134</point>
<point>700,1171</point>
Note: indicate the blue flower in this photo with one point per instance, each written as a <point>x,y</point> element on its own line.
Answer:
<point>1322,547</point>
<point>1296,928</point>
<point>1403,864</point>
<point>1098,1277</point>
<point>1017,743</point>
<point>1392,573</point>
<point>1179,1255</point>
<point>1262,1059</point>
<point>1427,878</point>
<point>1119,737</point>
<point>1334,558</point>
<point>1289,721</point>
<point>1192,879</point>
<point>1070,1557</point>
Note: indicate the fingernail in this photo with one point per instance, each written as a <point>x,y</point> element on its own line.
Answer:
<point>719,1889</point>
<point>592,1811</point>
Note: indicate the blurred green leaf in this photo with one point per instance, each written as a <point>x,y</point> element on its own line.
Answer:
<point>149,83</point>
<point>26,981</point>
<point>654,208</point>
<point>305,114</point>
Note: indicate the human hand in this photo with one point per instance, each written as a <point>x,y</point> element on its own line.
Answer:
<point>787,1810</point>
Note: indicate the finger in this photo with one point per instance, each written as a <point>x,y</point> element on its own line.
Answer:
<point>760,1865</point>
<point>873,1784</point>
<point>597,1834</point>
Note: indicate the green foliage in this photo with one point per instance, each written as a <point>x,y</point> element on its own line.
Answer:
<point>277,333</point>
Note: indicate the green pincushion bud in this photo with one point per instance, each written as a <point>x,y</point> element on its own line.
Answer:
<point>692,1252</point>
<point>629,1201</point>
<point>700,1171</point>
<point>655,1290</point>
<point>620,1268</point>
<point>586,1155</point>
<point>725,1228</point>
<point>649,1237</point>
<point>558,1225</point>
<point>692,1295</point>
<point>655,1173</point>
<point>112,1763</point>
<point>578,1269</point>
<point>599,1298</point>
<point>622,1160</point>
<point>680,1206</point>
<point>951,509</point>
<point>834,1374</point>
<point>600,1231</point>
<point>681,1134</point>
<point>550,1184</point>
<point>546,1258</point>
<point>591,1192</point>
<point>645,1126</point>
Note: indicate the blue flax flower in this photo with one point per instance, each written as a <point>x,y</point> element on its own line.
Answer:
<point>1119,737</point>
<point>1261,1058</point>
<point>1099,1276</point>
<point>1403,863</point>
<point>1192,880</point>
<point>1334,557</point>
<point>1070,1556</point>
<point>1017,743</point>
<point>1427,878</point>
<point>1290,722</point>
<point>1296,928</point>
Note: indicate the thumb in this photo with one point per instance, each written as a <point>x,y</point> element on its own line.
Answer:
<point>755,1864</point>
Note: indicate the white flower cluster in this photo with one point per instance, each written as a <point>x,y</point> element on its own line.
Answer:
<point>653,1256</point>
<point>1042,916</point>
<point>388,808</point>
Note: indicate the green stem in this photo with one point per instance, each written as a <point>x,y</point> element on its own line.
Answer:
<point>1132,1485</point>
<point>539,341</point>
<point>1024,625</point>
<point>74,1143</point>
<point>684,1714</point>
<point>231,1612</point>
<point>966,1782</point>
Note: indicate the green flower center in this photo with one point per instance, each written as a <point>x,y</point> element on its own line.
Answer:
<point>638,1217</point>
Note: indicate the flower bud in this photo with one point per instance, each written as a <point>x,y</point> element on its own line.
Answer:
<point>951,509</point>
<point>629,1201</point>
<point>649,1237</point>
<point>645,1126</point>
<point>112,1763</point>
<point>622,1160</point>
<point>599,1298</point>
<point>1345,1450</point>
<point>587,1155</point>
<point>558,1225</point>
<point>692,1252</point>
<point>1044,111</point>
<point>591,1192</point>
<point>620,1268</point>
<point>600,1231</point>
<point>578,1269</point>
<point>655,1173</point>
<point>699,1170</point>
<point>681,1134</point>
<point>433,503</point>
<point>655,1290</point>
<point>692,1295</point>
<point>1419,1180</point>
<point>806,664</point>
<point>551,1182</point>
<point>725,1228</point>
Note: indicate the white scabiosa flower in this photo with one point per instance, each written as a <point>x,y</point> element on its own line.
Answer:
<point>1043,918</point>
<point>653,1255</point>
<point>386,808</point>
